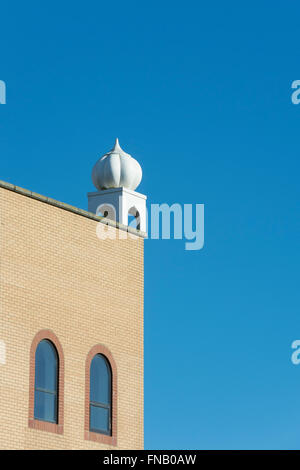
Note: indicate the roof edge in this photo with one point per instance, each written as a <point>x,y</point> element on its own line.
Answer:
<point>69,208</point>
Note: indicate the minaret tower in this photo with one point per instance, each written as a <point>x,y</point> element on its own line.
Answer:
<point>116,175</point>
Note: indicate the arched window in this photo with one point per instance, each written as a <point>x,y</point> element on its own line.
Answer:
<point>106,210</point>
<point>46,382</point>
<point>100,395</point>
<point>134,218</point>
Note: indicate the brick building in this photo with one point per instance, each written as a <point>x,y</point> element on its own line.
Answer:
<point>71,323</point>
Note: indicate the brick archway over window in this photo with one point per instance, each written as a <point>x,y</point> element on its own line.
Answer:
<point>58,427</point>
<point>95,436</point>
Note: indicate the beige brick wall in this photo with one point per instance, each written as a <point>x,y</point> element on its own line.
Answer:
<point>56,274</point>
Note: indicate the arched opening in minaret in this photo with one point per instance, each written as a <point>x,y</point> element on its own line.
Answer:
<point>134,218</point>
<point>106,210</point>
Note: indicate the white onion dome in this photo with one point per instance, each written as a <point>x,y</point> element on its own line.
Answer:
<point>117,169</point>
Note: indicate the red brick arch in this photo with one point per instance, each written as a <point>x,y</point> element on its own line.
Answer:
<point>35,423</point>
<point>94,436</point>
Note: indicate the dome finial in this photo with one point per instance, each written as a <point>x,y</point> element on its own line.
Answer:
<point>117,145</point>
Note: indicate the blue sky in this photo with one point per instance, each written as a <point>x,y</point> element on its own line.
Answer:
<point>200,94</point>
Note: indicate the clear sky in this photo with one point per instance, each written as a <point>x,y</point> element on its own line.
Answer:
<point>200,93</point>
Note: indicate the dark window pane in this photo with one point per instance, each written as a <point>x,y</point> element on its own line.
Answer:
<point>100,380</point>
<point>46,366</point>
<point>45,406</point>
<point>99,419</point>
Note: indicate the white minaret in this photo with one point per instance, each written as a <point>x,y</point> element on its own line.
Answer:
<point>116,175</point>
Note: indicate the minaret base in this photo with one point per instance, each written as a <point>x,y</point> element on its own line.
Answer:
<point>117,204</point>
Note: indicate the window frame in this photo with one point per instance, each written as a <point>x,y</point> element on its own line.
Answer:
<point>35,423</point>
<point>99,404</point>
<point>55,392</point>
<point>109,438</point>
